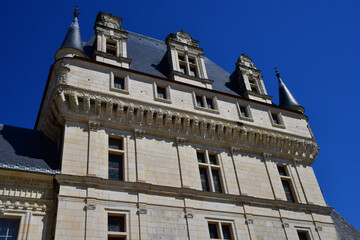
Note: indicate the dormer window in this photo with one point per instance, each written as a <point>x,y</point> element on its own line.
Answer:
<point>111,47</point>
<point>253,85</point>
<point>187,65</point>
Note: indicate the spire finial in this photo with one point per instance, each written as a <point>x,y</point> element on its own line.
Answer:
<point>277,73</point>
<point>76,12</point>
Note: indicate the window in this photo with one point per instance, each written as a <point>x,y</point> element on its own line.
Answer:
<point>117,227</point>
<point>187,65</point>
<point>162,93</point>
<point>220,230</point>
<point>119,82</point>
<point>209,169</point>
<point>205,102</point>
<point>303,235</point>
<point>286,183</point>
<point>253,85</point>
<point>244,112</point>
<point>116,159</point>
<point>111,47</point>
<point>276,119</point>
<point>9,229</point>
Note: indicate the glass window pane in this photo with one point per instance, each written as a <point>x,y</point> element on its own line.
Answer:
<point>183,69</point>
<point>115,167</point>
<point>209,103</point>
<point>226,230</point>
<point>192,72</point>
<point>199,101</point>
<point>212,159</point>
<point>282,170</point>
<point>161,92</point>
<point>111,51</point>
<point>216,180</point>
<point>9,229</point>
<point>275,118</point>
<point>243,112</point>
<point>204,179</point>
<point>288,191</point>
<point>116,224</point>
<point>116,238</point>
<point>115,143</point>
<point>191,60</point>
<point>119,83</point>
<point>201,157</point>
<point>181,58</point>
<point>213,231</point>
<point>303,235</point>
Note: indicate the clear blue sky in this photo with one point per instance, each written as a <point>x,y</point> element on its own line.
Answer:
<point>314,44</point>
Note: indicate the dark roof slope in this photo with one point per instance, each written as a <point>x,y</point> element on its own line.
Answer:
<point>344,229</point>
<point>27,150</point>
<point>148,55</point>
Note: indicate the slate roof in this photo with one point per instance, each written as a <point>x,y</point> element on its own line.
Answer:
<point>27,150</point>
<point>148,55</point>
<point>344,229</point>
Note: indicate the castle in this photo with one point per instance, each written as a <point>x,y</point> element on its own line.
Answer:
<point>138,138</point>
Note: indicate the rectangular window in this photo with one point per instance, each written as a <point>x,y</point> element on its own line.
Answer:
<point>253,85</point>
<point>210,174</point>
<point>119,83</point>
<point>288,190</point>
<point>117,227</point>
<point>115,159</point>
<point>209,103</point>
<point>205,102</point>
<point>9,229</point>
<point>161,92</point>
<point>303,235</point>
<point>275,118</point>
<point>187,65</point>
<point>282,170</point>
<point>199,101</point>
<point>220,230</point>
<point>243,111</point>
<point>111,47</point>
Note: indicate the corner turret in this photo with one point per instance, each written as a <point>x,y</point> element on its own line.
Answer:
<point>72,44</point>
<point>286,99</point>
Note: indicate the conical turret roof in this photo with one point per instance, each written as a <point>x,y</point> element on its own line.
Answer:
<point>73,37</point>
<point>286,99</point>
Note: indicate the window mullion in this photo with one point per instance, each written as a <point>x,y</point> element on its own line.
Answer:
<point>212,187</point>
<point>204,102</point>
<point>187,64</point>
<point>220,230</point>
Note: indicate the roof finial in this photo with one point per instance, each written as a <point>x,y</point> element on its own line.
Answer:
<point>76,12</point>
<point>277,73</point>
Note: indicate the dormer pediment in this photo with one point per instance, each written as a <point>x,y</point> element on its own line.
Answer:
<point>108,21</point>
<point>183,38</point>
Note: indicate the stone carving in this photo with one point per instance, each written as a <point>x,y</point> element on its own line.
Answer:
<point>90,206</point>
<point>93,126</point>
<point>139,133</point>
<point>183,122</point>
<point>180,141</point>
<point>318,229</point>
<point>189,215</point>
<point>182,37</point>
<point>61,75</point>
<point>249,221</point>
<point>142,211</point>
<point>285,225</point>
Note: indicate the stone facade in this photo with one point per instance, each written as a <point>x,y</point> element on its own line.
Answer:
<point>161,195</point>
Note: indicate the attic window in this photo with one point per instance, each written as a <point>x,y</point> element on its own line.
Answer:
<point>205,103</point>
<point>111,47</point>
<point>253,85</point>
<point>187,65</point>
<point>276,119</point>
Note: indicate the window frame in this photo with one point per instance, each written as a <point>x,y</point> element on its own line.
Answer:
<point>254,84</point>
<point>219,223</point>
<point>118,213</point>
<point>188,65</point>
<point>209,168</point>
<point>288,179</point>
<point>112,47</point>
<point>126,82</point>
<point>118,152</point>
<point>167,92</point>
<point>204,106</point>
<point>279,118</point>
<point>247,107</point>
<point>304,230</point>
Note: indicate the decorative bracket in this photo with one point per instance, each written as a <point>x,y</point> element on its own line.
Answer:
<point>139,133</point>
<point>93,126</point>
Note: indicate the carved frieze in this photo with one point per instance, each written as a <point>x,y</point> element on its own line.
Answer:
<point>181,122</point>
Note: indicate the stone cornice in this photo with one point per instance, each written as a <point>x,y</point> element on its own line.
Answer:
<point>71,103</point>
<point>141,187</point>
